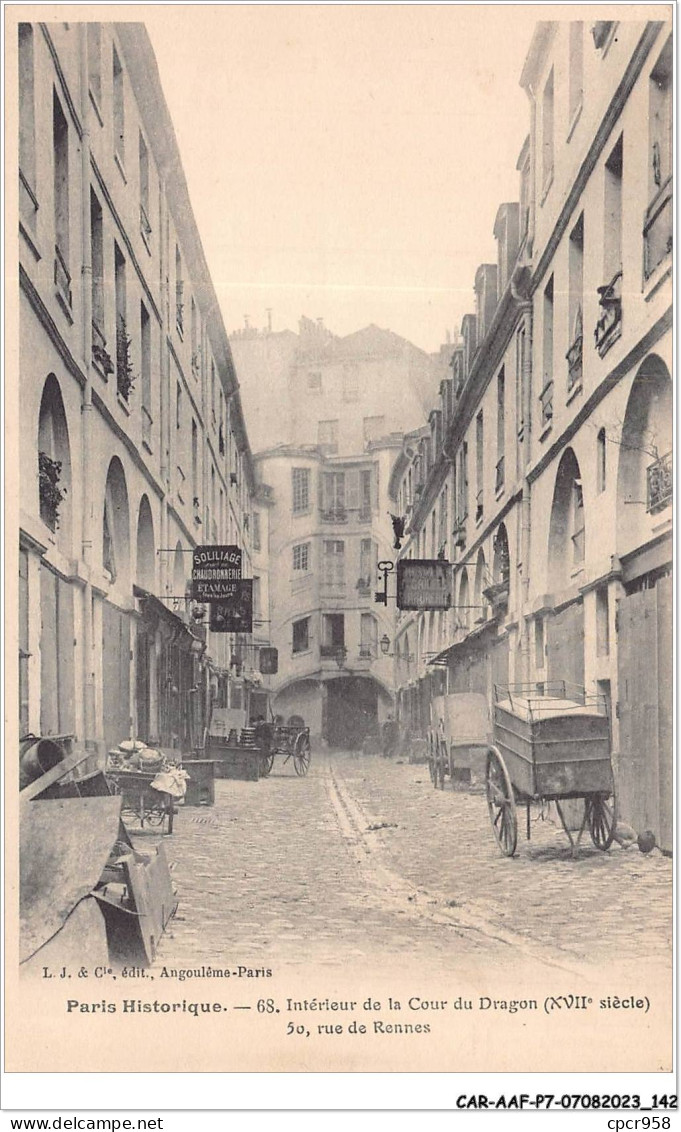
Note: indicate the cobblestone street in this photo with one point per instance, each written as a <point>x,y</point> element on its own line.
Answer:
<point>363,861</point>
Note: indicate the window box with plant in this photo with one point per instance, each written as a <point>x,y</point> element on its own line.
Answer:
<point>125,374</point>
<point>101,358</point>
<point>50,493</point>
<point>546,402</point>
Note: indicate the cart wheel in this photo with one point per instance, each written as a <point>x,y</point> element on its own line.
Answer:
<point>266,764</point>
<point>601,817</point>
<point>301,754</point>
<point>441,748</point>
<point>501,803</point>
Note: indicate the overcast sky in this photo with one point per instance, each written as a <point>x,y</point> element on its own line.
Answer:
<point>347,162</point>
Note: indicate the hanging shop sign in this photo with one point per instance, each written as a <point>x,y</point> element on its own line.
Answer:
<point>216,571</point>
<point>269,661</point>
<point>424,583</point>
<point>234,614</point>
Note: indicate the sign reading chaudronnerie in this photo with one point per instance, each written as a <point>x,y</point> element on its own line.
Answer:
<point>216,572</point>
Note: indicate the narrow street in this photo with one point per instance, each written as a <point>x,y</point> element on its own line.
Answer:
<point>363,861</point>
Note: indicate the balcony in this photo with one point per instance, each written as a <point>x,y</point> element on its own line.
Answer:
<point>574,361</point>
<point>499,476</point>
<point>657,230</point>
<point>62,280</point>
<point>366,652</point>
<point>546,402</point>
<point>334,515</point>
<point>660,484</point>
<point>609,325</point>
<point>497,595</point>
<point>460,532</point>
<point>332,652</point>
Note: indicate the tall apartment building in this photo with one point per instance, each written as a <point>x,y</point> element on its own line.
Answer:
<point>328,529</point>
<point>556,459</point>
<point>132,438</point>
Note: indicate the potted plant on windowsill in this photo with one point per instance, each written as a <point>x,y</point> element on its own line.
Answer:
<point>51,495</point>
<point>125,375</point>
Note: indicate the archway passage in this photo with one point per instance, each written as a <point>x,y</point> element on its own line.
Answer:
<point>351,711</point>
<point>567,533</point>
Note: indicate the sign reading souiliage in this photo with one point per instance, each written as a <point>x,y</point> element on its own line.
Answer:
<point>424,583</point>
<point>216,572</point>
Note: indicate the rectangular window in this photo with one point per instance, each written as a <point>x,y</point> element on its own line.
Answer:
<point>122,339</point>
<point>373,427</point>
<point>479,467</point>
<point>520,380</point>
<point>97,254</point>
<point>334,562</point>
<point>333,497</point>
<point>612,234</point>
<point>546,394</point>
<point>300,478</point>
<point>255,536</point>
<point>94,62</point>
<point>365,494</point>
<point>145,325</point>
<point>195,463</point>
<point>179,292</point>
<point>575,301</point>
<point>60,139</point>
<point>118,109</point>
<point>368,635</point>
<point>602,622</point>
<point>301,557</point>
<point>27,114</point>
<point>327,436</point>
<point>145,225</point>
<point>547,135</point>
<point>501,429</point>
<point>301,635</point>
<point>334,631</point>
<point>367,562</point>
<point>539,649</point>
<point>660,120</point>
<point>178,406</point>
<point>462,484</point>
<point>576,80</point>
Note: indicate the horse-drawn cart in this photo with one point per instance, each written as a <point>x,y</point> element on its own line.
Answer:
<point>290,740</point>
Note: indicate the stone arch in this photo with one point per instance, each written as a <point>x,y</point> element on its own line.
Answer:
<point>116,525</point>
<point>567,530</point>
<point>146,547</point>
<point>54,462</point>
<point>644,474</point>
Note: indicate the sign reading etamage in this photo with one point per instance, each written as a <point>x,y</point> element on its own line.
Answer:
<point>423,583</point>
<point>216,571</point>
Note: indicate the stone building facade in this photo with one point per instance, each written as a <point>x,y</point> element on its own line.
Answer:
<point>548,470</point>
<point>134,447</point>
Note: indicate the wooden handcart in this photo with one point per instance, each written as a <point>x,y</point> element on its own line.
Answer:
<point>290,740</point>
<point>141,801</point>
<point>551,743</point>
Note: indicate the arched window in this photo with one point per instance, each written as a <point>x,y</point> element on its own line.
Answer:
<point>644,477</point>
<point>501,567</point>
<point>54,461</point>
<point>116,526</point>
<point>600,460</point>
<point>146,551</point>
<point>567,532</point>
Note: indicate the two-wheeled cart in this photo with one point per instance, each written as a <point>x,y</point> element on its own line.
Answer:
<point>551,743</point>
<point>290,740</point>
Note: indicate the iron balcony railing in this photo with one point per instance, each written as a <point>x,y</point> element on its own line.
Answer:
<point>660,484</point>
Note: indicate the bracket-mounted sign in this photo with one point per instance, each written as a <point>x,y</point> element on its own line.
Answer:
<point>424,583</point>
<point>235,613</point>
<point>216,571</point>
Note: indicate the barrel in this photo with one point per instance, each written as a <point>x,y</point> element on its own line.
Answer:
<point>36,757</point>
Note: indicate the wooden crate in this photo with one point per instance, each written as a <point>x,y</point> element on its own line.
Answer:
<point>234,761</point>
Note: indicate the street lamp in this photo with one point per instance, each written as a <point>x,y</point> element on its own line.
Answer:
<point>385,644</point>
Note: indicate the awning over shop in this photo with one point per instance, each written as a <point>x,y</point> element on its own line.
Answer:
<point>442,658</point>
<point>153,608</point>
